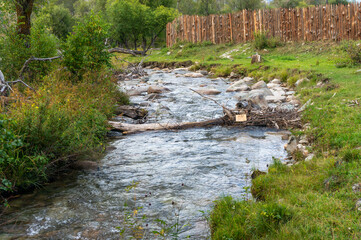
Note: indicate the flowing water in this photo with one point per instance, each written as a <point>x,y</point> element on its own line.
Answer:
<point>173,176</point>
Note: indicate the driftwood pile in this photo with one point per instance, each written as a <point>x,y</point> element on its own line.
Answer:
<point>244,115</point>
<point>265,117</point>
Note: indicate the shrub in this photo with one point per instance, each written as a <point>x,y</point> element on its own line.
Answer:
<point>222,71</point>
<point>57,18</point>
<point>262,41</point>
<point>62,119</point>
<point>16,169</point>
<point>353,51</point>
<point>84,50</point>
<point>14,51</point>
<point>284,75</point>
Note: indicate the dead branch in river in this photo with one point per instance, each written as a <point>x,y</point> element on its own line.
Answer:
<point>266,118</point>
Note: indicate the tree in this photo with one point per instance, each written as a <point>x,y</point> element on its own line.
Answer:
<point>133,22</point>
<point>237,5</point>
<point>84,50</point>
<point>24,9</point>
<point>57,18</point>
<point>157,3</point>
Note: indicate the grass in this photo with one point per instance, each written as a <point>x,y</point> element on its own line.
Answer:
<point>310,200</point>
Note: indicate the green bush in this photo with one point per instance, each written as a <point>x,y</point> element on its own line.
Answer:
<point>16,169</point>
<point>262,41</point>
<point>63,118</point>
<point>57,18</point>
<point>15,50</point>
<point>58,122</point>
<point>353,51</point>
<point>84,50</point>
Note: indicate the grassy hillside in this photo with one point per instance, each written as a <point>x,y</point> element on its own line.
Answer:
<point>313,199</point>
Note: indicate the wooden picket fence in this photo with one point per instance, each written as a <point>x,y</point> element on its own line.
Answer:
<point>330,22</point>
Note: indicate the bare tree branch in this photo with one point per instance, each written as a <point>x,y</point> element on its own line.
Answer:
<point>27,62</point>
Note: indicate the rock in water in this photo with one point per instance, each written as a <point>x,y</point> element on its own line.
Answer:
<point>156,89</point>
<point>258,85</point>
<point>194,75</point>
<point>258,102</point>
<point>291,146</point>
<point>209,91</point>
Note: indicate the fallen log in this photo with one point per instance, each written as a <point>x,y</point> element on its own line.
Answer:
<point>134,128</point>
<point>264,118</point>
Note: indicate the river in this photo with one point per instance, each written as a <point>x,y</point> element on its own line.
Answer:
<point>154,180</point>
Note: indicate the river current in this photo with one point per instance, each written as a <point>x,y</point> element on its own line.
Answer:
<point>154,180</point>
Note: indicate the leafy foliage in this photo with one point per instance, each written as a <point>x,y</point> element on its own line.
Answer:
<point>17,170</point>
<point>134,22</point>
<point>14,52</point>
<point>57,18</point>
<point>262,41</point>
<point>84,50</point>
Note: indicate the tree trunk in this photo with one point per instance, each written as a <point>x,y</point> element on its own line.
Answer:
<point>24,8</point>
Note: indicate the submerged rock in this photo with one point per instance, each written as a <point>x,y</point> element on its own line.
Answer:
<point>194,75</point>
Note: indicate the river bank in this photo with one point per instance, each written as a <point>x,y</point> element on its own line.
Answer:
<point>316,198</point>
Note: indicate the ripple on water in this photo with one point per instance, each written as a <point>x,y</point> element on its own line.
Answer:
<point>190,168</point>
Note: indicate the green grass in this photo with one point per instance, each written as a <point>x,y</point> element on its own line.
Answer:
<point>310,200</point>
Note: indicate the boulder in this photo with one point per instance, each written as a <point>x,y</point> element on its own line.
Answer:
<point>180,70</point>
<point>234,75</point>
<point>258,101</point>
<point>273,85</point>
<point>275,99</point>
<point>138,91</point>
<point>238,83</point>
<point>156,89</point>
<point>248,80</point>
<point>258,85</point>
<point>262,91</point>
<point>209,91</point>
<point>240,88</point>
<point>193,75</point>
<point>276,81</point>
<point>242,96</point>
<point>256,59</point>
<point>300,81</point>
<point>291,145</point>
<point>203,72</point>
